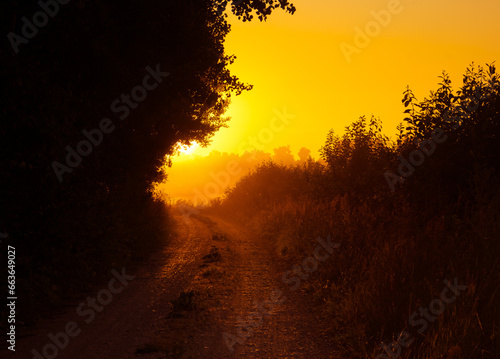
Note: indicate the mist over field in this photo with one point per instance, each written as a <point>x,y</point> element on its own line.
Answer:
<point>207,177</point>
<point>184,179</point>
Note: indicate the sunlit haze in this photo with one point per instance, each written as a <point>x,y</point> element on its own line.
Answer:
<point>297,62</point>
<point>259,179</point>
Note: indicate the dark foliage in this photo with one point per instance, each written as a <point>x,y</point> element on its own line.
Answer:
<point>399,243</point>
<point>65,79</point>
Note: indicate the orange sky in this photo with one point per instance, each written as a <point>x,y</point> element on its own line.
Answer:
<point>296,62</point>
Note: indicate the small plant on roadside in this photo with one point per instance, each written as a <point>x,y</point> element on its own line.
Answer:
<point>213,256</point>
<point>186,301</point>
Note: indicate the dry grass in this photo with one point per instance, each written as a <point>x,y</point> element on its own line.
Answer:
<point>387,267</point>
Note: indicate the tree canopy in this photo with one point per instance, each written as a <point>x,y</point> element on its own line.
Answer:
<point>94,96</point>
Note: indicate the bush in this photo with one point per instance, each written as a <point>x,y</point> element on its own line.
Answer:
<point>398,247</point>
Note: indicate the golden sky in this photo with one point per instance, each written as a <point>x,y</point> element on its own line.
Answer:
<point>297,62</point>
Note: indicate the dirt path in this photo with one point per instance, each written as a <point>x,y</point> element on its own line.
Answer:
<point>192,300</point>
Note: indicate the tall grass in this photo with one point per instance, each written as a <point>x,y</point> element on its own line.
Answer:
<point>397,248</point>
<point>389,264</point>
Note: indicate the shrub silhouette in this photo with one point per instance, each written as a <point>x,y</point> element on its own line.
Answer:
<point>397,247</point>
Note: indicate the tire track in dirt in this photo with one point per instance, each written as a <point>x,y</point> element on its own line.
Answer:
<point>136,315</point>
<point>252,273</point>
<point>186,297</point>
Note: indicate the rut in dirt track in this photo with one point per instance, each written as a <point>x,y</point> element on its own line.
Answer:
<point>193,300</point>
<point>292,329</point>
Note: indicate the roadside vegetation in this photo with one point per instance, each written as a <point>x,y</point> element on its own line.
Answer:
<point>403,231</point>
<point>91,108</point>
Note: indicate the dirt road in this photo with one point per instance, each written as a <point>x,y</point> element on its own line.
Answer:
<point>214,292</point>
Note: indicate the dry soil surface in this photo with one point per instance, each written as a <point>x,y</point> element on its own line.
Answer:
<point>215,291</point>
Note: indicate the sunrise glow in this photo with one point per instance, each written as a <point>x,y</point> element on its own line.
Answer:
<point>259,179</point>
<point>306,64</point>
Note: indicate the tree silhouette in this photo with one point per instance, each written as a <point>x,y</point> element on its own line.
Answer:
<point>246,9</point>
<point>65,79</point>
<point>304,154</point>
<point>356,161</point>
<point>283,155</point>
